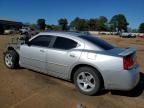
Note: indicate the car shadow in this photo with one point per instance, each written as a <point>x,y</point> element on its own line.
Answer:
<point>137,91</point>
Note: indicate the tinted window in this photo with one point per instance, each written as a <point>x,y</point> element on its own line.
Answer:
<point>98,42</point>
<point>64,43</point>
<point>42,41</point>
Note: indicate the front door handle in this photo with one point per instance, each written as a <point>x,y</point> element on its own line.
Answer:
<point>42,51</point>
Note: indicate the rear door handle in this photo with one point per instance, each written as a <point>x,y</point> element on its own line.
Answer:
<point>42,51</point>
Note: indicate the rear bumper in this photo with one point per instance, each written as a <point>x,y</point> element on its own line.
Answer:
<point>127,79</point>
<point>133,77</point>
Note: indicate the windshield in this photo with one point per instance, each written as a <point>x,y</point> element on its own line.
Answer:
<point>98,42</point>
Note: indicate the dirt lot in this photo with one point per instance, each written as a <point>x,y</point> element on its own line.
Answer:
<point>23,88</point>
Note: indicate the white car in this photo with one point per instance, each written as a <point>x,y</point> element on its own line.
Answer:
<point>89,62</point>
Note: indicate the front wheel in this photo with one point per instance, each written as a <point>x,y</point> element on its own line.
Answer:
<point>11,59</point>
<point>87,80</point>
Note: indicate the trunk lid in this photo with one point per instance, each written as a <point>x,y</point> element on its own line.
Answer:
<point>122,51</point>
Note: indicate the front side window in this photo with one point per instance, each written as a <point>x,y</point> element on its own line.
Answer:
<point>42,41</point>
<point>64,43</point>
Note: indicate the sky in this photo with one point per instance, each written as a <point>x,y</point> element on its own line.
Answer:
<point>52,10</point>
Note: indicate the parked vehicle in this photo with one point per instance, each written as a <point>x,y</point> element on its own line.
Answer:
<point>141,35</point>
<point>24,30</point>
<point>127,35</point>
<point>89,62</point>
<point>10,31</point>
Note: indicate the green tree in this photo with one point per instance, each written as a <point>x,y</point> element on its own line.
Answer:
<point>102,23</point>
<point>63,23</point>
<point>103,19</point>
<point>119,23</point>
<point>141,28</point>
<point>41,24</point>
<point>56,27</point>
<point>92,24</point>
<point>33,26</point>
<point>112,27</point>
<point>49,27</point>
<point>79,24</point>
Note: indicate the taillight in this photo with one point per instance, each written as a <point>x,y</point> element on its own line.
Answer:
<point>128,62</point>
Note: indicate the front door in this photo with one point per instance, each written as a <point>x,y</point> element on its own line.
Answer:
<point>33,54</point>
<point>33,57</point>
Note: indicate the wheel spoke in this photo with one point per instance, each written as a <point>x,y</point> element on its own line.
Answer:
<point>10,63</point>
<point>83,75</point>
<point>6,59</point>
<point>85,86</point>
<point>90,77</point>
<point>91,84</point>
<point>80,81</point>
<point>10,58</point>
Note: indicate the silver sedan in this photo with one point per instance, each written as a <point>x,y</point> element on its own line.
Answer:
<point>89,62</point>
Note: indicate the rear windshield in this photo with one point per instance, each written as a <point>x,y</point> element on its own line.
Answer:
<point>98,42</point>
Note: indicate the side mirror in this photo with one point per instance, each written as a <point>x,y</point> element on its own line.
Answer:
<point>28,43</point>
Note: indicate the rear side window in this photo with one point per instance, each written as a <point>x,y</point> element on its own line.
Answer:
<point>42,41</point>
<point>98,42</point>
<point>64,43</point>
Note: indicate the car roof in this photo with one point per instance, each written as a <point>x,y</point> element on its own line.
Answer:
<point>59,33</point>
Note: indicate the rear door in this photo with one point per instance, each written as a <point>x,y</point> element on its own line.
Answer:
<point>61,56</point>
<point>33,56</point>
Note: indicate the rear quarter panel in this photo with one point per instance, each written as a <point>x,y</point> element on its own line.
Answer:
<point>110,67</point>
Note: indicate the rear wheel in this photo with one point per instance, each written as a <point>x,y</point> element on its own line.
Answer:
<point>11,59</point>
<point>87,80</point>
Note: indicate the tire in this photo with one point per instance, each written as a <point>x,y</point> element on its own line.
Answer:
<point>11,59</point>
<point>87,80</point>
